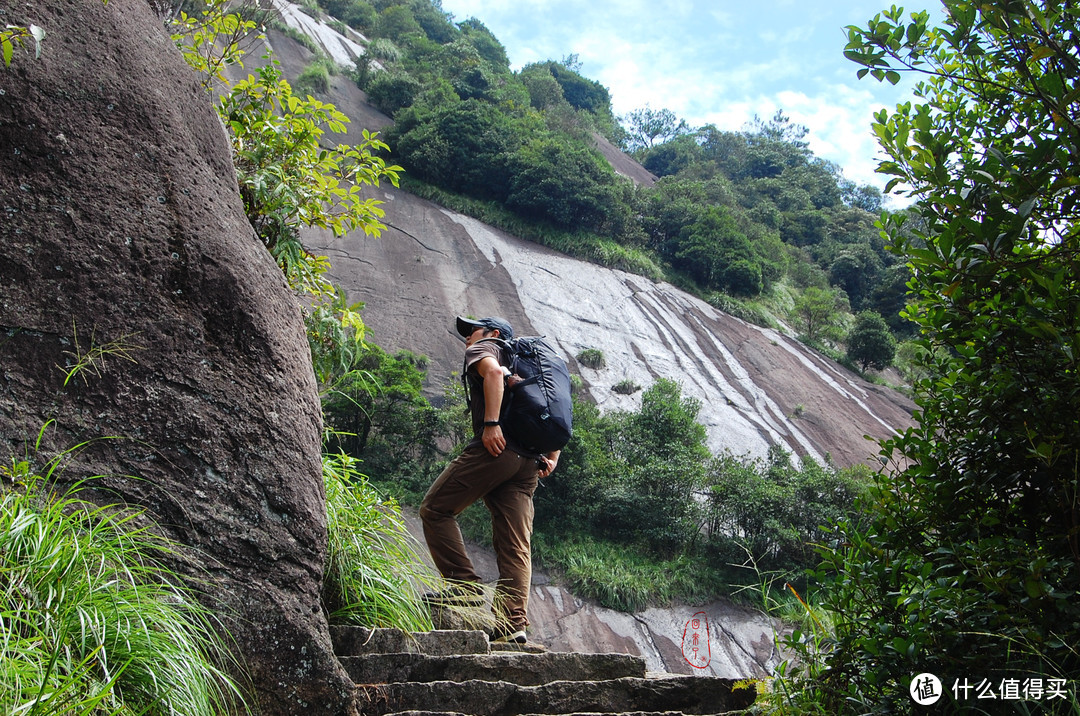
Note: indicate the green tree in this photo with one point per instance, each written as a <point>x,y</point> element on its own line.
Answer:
<point>485,42</point>
<point>646,125</point>
<point>392,90</point>
<point>971,563</point>
<point>462,146</point>
<point>567,185</point>
<point>673,156</point>
<point>870,343</point>
<point>665,453</point>
<point>396,23</point>
<point>580,92</point>
<point>815,309</point>
<point>773,510</point>
<point>856,269</point>
<point>544,90</point>
<point>288,179</point>
<point>710,245</point>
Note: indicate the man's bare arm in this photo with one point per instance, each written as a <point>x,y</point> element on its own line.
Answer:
<point>489,369</point>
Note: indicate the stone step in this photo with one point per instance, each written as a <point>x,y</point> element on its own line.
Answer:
<point>357,641</point>
<point>685,694</point>
<point>522,669</point>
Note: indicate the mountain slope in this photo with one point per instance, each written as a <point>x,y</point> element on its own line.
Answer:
<point>435,264</point>
<point>757,387</point>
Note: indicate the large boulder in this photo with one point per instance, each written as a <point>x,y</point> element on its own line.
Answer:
<point>125,249</point>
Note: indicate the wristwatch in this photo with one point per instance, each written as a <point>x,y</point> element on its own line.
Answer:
<point>491,423</point>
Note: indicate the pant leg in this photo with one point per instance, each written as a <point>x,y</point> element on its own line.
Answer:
<point>468,478</point>
<point>511,506</point>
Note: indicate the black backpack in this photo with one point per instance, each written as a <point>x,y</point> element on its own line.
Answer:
<point>539,415</point>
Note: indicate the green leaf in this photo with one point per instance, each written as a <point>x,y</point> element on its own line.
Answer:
<point>1041,53</point>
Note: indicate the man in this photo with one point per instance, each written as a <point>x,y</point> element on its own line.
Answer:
<point>494,469</point>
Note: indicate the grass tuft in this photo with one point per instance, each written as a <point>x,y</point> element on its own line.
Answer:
<point>626,580</point>
<point>374,574</point>
<point>92,622</point>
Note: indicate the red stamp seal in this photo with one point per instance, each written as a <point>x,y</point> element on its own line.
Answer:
<point>695,641</point>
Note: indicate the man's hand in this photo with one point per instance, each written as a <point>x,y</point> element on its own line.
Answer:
<point>548,463</point>
<point>493,439</point>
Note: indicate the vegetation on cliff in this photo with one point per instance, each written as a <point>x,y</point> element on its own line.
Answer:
<point>748,217</point>
<point>91,619</point>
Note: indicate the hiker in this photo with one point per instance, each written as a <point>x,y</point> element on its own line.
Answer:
<point>495,469</point>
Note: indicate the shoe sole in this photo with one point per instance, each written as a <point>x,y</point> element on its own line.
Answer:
<point>517,637</point>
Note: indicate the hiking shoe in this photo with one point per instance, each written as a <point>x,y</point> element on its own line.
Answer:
<point>458,595</point>
<point>507,635</point>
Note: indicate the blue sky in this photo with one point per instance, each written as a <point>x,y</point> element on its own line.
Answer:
<point>717,62</point>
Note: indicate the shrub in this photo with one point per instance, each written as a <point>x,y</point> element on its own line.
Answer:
<point>592,358</point>
<point>392,90</point>
<point>775,511</point>
<point>361,16</point>
<point>626,387</point>
<point>741,309</point>
<point>296,35</point>
<point>870,343</point>
<point>315,78</point>
<point>384,50</point>
<point>576,383</point>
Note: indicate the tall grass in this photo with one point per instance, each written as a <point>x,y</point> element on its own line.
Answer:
<point>92,622</point>
<point>374,574</point>
<point>622,579</point>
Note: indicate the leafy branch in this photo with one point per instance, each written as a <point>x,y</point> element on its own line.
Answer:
<point>13,36</point>
<point>210,42</point>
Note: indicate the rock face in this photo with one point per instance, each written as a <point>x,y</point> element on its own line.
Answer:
<point>757,386</point>
<point>125,247</point>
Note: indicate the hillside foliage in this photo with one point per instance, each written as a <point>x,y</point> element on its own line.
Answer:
<point>736,216</point>
<point>969,565</point>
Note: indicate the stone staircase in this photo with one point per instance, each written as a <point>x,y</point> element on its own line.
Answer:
<point>450,672</point>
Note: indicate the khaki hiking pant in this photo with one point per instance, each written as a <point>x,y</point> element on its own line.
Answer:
<point>506,484</point>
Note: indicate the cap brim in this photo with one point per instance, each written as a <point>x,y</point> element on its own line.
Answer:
<point>465,326</point>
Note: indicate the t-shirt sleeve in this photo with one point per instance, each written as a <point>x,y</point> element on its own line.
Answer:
<point>477,351</point>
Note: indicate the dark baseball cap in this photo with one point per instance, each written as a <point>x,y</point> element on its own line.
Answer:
<point>465,326</point>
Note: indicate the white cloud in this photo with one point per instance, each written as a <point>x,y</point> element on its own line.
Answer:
<point>710,62</point>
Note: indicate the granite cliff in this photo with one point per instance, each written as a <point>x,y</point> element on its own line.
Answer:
<point>758,387</point>
<point>122,228</point>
